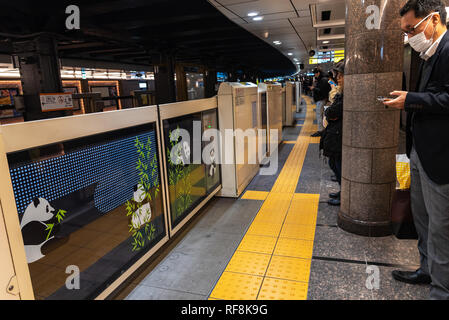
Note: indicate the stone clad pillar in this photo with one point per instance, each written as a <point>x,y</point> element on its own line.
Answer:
<point>374,59</point>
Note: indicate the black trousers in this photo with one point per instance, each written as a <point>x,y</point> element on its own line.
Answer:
<point>335,165</point>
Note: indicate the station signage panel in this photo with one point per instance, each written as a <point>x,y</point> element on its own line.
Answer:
<point>56,101</point>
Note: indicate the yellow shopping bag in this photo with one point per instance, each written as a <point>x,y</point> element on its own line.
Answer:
<point>403,171</point>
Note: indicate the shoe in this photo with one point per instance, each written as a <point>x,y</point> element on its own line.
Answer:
<point>412,277</point>
<point>316,134</point>
<point>334,202</point>
<point>335,195</point>
<point>334,179</point>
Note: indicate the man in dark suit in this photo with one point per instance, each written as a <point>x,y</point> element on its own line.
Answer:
<point>424,21</point>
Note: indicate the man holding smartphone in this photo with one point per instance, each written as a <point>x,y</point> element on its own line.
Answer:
<point>424,21</point>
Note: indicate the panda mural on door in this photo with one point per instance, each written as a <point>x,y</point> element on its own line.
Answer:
<point>142,214</point>
<point>38,227</point>
<point>59,192</point>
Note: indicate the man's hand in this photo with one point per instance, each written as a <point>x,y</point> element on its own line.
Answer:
<point>399,102</point>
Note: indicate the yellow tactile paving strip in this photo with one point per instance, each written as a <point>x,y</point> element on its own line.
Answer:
<point>294,248</point>
<point>261,244</point>
<point>236,286</point>
<point>255,195</point>
<point>274,257</point>
<point>277,289</point>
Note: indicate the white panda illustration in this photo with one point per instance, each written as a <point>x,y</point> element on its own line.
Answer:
<point>33,228</point>
<point>143,214</point>
<point>213,163</point>
<point>186,148</point>
<point>176,155</point>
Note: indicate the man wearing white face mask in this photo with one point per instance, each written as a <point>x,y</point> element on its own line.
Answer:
<point>424,21</point>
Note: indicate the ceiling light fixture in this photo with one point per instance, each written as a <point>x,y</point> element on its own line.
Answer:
<point>325,42</point>
<point>290,54</point>
<point>277,42</point>
<point>253,14</point>
<point>257,18</point>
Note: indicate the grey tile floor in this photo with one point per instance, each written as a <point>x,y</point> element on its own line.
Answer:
<point>192,268</point>
<point>339,267</point>
<point>340,259</point>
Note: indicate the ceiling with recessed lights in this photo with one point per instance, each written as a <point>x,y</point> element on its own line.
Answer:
<point>294,27</point>
<point>139,32</point>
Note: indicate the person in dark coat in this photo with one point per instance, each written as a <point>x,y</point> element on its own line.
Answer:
<point>320,92</point>
<point>331,139</point>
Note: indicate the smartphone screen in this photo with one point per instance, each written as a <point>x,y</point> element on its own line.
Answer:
<point>383,99</point>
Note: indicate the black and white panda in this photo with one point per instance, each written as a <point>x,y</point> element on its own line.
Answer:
<point>143,214</point>
<point>34,222</point>
<point>213,163</point>
<point>186,149</point>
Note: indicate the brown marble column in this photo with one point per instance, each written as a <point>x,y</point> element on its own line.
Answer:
<point>374,59</point>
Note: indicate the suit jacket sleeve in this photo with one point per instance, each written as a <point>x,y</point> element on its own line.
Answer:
<point>436,98</point>
<point>428,102</point>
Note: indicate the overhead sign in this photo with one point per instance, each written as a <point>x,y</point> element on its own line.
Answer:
<point>56,101</point>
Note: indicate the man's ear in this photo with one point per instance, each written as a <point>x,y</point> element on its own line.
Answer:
<point>436,18</point>
<point>36,202</point>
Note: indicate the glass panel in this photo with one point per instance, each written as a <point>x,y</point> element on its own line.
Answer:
<point>92,204</point>
<point>212,170</point>
<point>294,93</point>
<point>186,182</point>
<point>106,92</point>
<point>189,184</point>
<point>264,111</point>
<point>195,86</point>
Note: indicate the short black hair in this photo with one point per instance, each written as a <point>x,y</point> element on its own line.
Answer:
<point>423,8</point>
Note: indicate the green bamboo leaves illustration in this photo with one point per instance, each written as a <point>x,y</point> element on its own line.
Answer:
<point>59,216</point>
<point>148,175</point>
<point>50,228</point>
<point>179,175</point>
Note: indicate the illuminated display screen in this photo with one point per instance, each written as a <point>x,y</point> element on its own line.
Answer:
<point>93,203</point>
<point>189,183</point>
<point>330,56</point>
<point>222,76</point>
